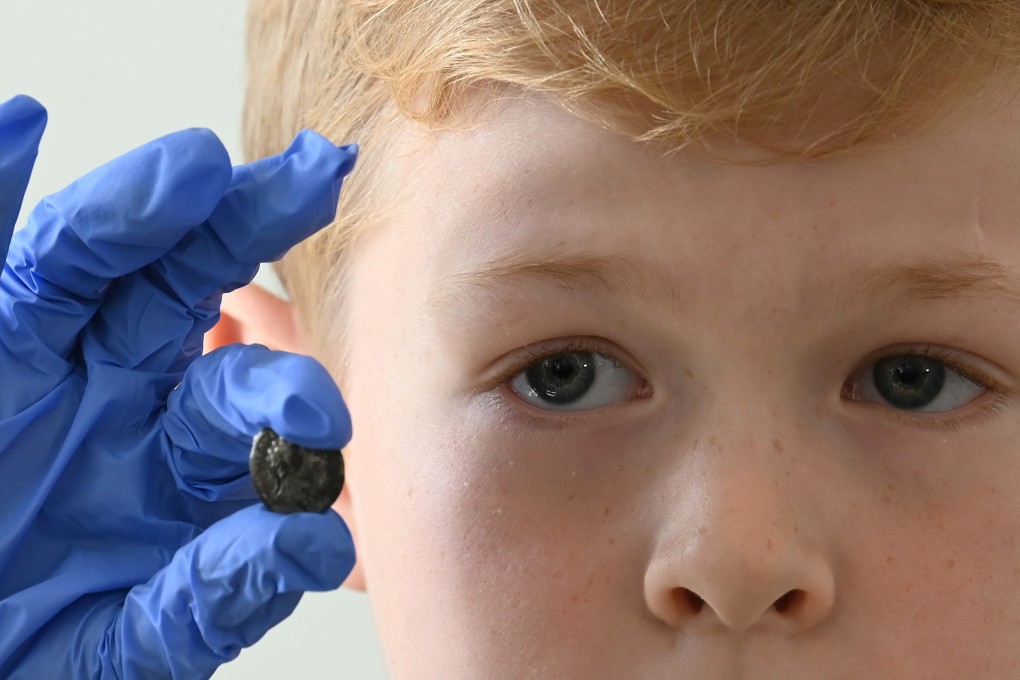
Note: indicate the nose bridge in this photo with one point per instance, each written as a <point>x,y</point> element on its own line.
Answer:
<point>740,546</point>
<point>747,466</point>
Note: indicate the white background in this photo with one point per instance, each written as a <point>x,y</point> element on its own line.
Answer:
<point>113,75</point>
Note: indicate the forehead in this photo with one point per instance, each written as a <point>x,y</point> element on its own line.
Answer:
<point>533,178</point>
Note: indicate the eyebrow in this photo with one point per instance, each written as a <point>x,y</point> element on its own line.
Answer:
<point>578,273</point>
<point>956,275</point>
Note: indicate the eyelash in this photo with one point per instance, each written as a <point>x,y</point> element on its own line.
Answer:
<point>544,350</point>
<point>952,360</point>
<point>534,353</point>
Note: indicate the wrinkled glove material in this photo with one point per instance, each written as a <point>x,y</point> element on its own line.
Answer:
<point>133,546</point>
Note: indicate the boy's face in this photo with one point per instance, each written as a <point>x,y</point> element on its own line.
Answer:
<point>620,415</point>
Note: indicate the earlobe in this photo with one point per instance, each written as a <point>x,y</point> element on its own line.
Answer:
<point>251,315</point>
<point>356,579</point>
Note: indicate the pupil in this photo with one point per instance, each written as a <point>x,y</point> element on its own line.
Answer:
<point>909,375</point>
<point>909,382</point>
<point>560,370</point>
<point>562,378</point>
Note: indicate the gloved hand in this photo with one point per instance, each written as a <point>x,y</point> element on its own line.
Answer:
<point>132,545</point>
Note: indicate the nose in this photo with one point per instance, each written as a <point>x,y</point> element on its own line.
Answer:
<point>738,553</point>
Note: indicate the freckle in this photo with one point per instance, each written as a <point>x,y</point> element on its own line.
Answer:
<point>688,373</point>
<point>950,563</point>
<point>887,500</point>
<point>702,530</point>
<point>591,581</point>
<point>575,598</point>
<point>768,544</point>
<point>611,541</point>
<point>570,497</point>
<point>777,445</point>
<point>796,529</point>
<point>605,511</point>
<point>889,559</point>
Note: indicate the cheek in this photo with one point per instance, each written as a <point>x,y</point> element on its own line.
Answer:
<point>941,575</point>
<point>501,546</point>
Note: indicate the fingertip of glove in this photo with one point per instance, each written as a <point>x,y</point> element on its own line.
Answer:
<point>168,184</point>
<point>320,542</point>
<point>22,121</point>
<point>22,111</point>
<point>296,552</point>
<point>293,552</point>
<point>350,158</point>
<point>205,154</point>
<point>340,159</point>
<point>255,387</point>
<point>316,416</point>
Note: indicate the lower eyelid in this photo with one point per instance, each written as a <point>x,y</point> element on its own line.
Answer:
<point>953,421</point>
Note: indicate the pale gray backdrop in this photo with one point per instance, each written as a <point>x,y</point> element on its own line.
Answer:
<point>113,75</point>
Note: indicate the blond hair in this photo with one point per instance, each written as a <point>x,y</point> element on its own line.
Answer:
<point>672,73</point>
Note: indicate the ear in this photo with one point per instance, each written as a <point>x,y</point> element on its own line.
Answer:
<point>252,315</point>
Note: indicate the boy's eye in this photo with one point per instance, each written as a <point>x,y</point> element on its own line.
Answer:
<point>575,380</point>
<point>914,382</point>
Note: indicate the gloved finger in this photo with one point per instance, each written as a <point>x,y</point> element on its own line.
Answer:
<point>229,395</point>
<point>155,319</point>
<point>223,591</point>
<point>22,121</point>
<point>108,224</point>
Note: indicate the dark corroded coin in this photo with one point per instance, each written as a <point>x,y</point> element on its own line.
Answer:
<point>291,478</point>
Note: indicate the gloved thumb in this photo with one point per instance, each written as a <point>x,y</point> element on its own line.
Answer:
<point>223,591</point>
<point>229,395</point>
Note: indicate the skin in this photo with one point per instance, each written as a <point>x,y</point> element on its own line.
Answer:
<point>747,460</point>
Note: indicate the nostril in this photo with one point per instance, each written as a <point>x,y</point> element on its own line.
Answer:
<point>789,600</point>
<point>688,600</point>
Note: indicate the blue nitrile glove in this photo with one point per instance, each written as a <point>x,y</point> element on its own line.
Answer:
<point>131,544</point>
